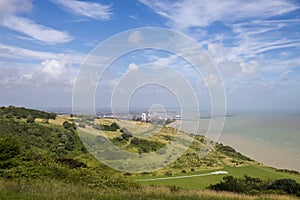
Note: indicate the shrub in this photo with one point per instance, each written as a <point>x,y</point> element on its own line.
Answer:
<point>254,192</point>
<point>71,163</point>
<point>232,152</point>
<point>126,136</point>
<point>253,185</point>
<point>229,184</point>
<point>145,146</point>
<point>9,148</point>
<point>174,188</point>
<point>29,119</point>
<point>289,186</point>
<point>68,125</point>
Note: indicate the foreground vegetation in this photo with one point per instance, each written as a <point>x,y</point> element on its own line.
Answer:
<point>53,189</point>
<point>42,157</point>
<point>253,185</point>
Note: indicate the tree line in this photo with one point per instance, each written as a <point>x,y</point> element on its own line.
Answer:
<point>29,114</point>
<point>251,185</point>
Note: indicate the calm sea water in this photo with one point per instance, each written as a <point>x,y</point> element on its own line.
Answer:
<point>272,139</point>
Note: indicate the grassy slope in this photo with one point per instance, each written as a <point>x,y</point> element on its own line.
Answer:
<point>224,162</point>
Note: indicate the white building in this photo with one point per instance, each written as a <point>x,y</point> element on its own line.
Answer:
<point>144,117</point>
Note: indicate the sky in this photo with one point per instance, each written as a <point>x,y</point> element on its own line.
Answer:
<point>254,44</point>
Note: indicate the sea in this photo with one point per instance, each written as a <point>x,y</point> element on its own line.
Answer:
<point>269,138</point>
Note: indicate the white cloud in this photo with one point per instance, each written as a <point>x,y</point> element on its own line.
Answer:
<point>212,80</point>
<point>6,75</point>
<point>167,61</point>
<point>218,52</point>
<point>201,13</point>
<point>34,70</point>
<point>36,31</point>
<point>54,69</point>
<point>264,35</point>
<point>229,63</point>
<point>249,68</point>
<point>135,37</point>
<point>8,51</point>
<point>281,66</point>
<point>132,66</point>
<point>9,19</point>
<point>31,87</point>
<point>86,9</point>
<point>8,7</point>
<point>255,35</point>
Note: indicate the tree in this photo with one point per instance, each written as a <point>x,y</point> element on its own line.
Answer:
<point>9,148</point>
<point>52,115</point>
<point>126,136</point>
<point>114,126</point>
<point>29,119</point>
<point>68,125</point>
<point>250,184</point>
<point>290,186</point>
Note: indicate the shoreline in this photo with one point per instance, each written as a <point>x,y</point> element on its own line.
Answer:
<point>272,144</point>
<point>174,124</point>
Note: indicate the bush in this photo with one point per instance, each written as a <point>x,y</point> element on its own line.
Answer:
<point>68,125</point>
<point>289,186</point>
<point>254,192</point>
<point>174,188</point>
<point>145,146</point>
<point>230,184</point>
<point>29,119</point>
<point>9,148</point>
<point>232,152</point>
<point>71,163</point>
<point>110,128</point>
<point>97,126</point>
<point>113,127</point>
<point>253,186</point>
<point>126,136</point>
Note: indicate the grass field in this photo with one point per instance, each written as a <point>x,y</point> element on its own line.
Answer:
<point>202,182</point>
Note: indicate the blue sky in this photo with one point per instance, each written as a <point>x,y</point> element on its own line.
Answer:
<point>255,44</point>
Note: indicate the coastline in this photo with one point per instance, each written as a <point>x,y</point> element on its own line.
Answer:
<point>274,142</point>
<point>174,124</point>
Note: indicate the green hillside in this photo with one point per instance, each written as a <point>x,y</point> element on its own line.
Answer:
<point>42,153</point>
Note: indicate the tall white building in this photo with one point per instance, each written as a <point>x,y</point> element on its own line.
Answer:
<point>144,117</point>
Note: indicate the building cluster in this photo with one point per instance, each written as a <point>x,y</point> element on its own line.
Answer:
<point>138,116</point>
<point>143,117</point>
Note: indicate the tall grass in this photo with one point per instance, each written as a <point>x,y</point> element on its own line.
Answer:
<point>53,189</point>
